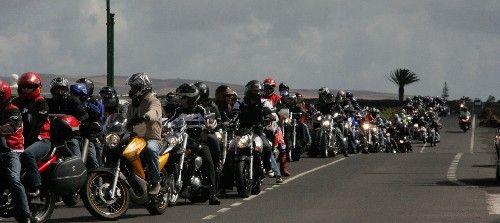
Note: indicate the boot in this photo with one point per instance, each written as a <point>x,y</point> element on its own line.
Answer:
<point>284,165</point>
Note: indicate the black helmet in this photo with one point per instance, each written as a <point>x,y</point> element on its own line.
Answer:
<point>253,89</point>
<point>222,92</point>
<point>188,90</point>
<point>283,87</point>
<point>323,91</point>
<point>89,83</point>
<point>140,85</point>
<point>348,94</point>
<point>59,83</point>
<point>107,91</point>
<point>203,89</point>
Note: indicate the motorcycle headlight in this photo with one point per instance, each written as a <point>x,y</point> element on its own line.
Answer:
<point>374,129</point>
<point>415,125</point>
<point>243,141</point>
<point>366,126</point>
<point>171,140</point>
<point>112,140</point>
<point>423,129</point>
<point>401,141</point>
<point>325,124</point>
<point>346,125</point>
<point>318,118</point>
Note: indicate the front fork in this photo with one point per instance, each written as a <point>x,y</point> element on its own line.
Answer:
<point>115,179</point>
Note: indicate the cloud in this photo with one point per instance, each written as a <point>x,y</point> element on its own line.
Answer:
<point>336,43</point>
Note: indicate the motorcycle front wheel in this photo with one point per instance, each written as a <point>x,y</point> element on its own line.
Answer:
<point>42,207</point>
<point>97,198</point>
<point>242,177</point>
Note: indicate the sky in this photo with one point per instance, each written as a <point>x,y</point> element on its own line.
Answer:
<point>341,44</point>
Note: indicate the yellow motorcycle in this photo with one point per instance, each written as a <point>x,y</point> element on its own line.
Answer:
<point>109,189</point>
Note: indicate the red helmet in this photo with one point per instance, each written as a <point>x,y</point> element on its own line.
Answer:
<point>5,92</point>
<point>29,85</point>
<point>269,81</point>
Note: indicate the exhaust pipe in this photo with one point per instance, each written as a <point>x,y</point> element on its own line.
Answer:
<point>85,150</point>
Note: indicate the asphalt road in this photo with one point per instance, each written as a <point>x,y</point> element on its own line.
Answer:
<point>452,182</point>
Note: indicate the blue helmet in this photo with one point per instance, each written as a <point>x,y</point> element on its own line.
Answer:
<point>79,90</point>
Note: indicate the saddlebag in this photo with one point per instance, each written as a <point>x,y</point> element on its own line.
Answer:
<point>68,175</point>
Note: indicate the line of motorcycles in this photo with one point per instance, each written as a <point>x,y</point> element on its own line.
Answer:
<point>108,190</point>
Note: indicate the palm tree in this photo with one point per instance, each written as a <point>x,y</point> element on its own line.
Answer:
<point>402,77</point>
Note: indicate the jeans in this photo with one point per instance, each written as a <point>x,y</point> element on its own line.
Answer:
<point>214,146</point>
<point>11,164</point>
<point>306,136</point>
<point>150,158</point>
<point>75,148</point>
<point>274,166</point>
<point>34,152</point>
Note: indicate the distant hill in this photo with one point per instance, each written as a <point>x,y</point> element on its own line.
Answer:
<point>163,86</point>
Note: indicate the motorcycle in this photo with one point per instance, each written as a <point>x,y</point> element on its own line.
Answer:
<point>245,170</point>
<point>60,172</point>
<point>327,139</point>
<point>371,137</point>
<point>109,189</point>
<point>294,144</point>
<point>432,137</point>
<point>464,123</point>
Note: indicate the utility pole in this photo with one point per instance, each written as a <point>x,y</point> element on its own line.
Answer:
<point>110,24</point>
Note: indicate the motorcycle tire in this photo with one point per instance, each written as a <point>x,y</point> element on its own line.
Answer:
<point>257,187</point>
<point>43,206</point>
<point>242,178</point>
<point>324,146</point>
<point>92,205</point>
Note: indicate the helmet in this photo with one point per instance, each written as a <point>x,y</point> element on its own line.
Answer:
<point>109,98</point>
<point>222,91</point>
<point>63,128</point>
<point>203,89</point>
<point>340,94</point>
<point>270,81</point>
<point>79,90</point>
<point>29,85</point>
<point>283,87</point>
<point>89,83</point>
<point>59,83</point>
<point>140,85</point>
<point>188,90</point>
<point>5,92</point>
<point>269,85</point>
<point>252,89</point>
<point>299,96</point>
<point>323,91</point>
<point>107,91</point>
<point>348,94</point>
<point>291,98</point>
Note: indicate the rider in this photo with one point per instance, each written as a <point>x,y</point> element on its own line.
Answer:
<point>283,89</point>
<point>146,108</point>
<point>269,94</point>
<point>11,134</point>
<point>62,102</point>
<point>224,99</point>
<point>34,111</point>
<point>91,127</point>
<point>189,94</point>
<point>210,107</point>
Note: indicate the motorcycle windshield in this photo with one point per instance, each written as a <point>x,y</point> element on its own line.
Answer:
<point>115,123</point>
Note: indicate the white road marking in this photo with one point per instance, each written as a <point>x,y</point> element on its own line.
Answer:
<point>208,217</point>
<point>236,204</point>
<point>472,136</point>
<point>311,170</point>
<point>452,170</point>
<point>493,201</point>
<point>423,147</point>
<point>222,210</point>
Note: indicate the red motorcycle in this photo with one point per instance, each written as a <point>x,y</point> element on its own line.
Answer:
<point>60,171</point>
